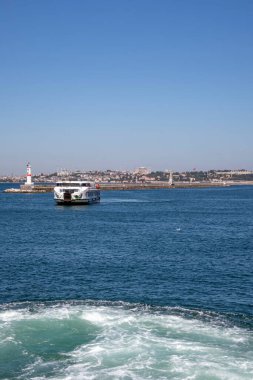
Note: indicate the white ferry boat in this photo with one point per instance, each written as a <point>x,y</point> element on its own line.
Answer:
<point>76,192</point>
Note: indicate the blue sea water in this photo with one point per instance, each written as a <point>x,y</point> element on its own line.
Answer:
<point>151,284</point>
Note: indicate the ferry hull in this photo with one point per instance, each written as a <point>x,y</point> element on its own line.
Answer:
<point>76,202</point>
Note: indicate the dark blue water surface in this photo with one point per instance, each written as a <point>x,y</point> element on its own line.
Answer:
<point>179,247</point>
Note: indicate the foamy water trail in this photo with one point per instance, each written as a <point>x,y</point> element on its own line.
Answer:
<point>120,341</point>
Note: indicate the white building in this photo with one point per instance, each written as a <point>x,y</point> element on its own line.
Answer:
<point>63,173</point>
<point>142,171</point>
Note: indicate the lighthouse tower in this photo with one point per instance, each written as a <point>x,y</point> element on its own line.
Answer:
<point>171,178</point>
<point>28,185</point>
<point>28,175</point>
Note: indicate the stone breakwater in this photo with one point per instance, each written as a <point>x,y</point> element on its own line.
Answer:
<point>156,185</point>
<point>125,186</point>
<point>35,189</point>
<point>134,186</point>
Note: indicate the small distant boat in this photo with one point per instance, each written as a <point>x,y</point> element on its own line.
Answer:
<point>76,193</point>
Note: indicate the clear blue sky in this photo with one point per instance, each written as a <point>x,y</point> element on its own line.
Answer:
<point>90,84</point>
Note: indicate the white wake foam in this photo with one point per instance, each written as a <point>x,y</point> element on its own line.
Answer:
<point>125,343</point>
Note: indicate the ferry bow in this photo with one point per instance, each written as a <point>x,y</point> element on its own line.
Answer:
<point>76,192</point>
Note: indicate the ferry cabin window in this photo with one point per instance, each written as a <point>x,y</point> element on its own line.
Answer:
<point>73,184</point>
<point>67,184</point>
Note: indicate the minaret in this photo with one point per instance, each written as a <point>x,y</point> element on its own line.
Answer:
<point>28,175</point>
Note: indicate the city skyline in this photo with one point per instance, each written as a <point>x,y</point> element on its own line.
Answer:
<point>126,84</point>
<point>65,172</point>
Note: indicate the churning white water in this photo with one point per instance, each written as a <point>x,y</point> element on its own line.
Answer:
<point>120,341</point>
